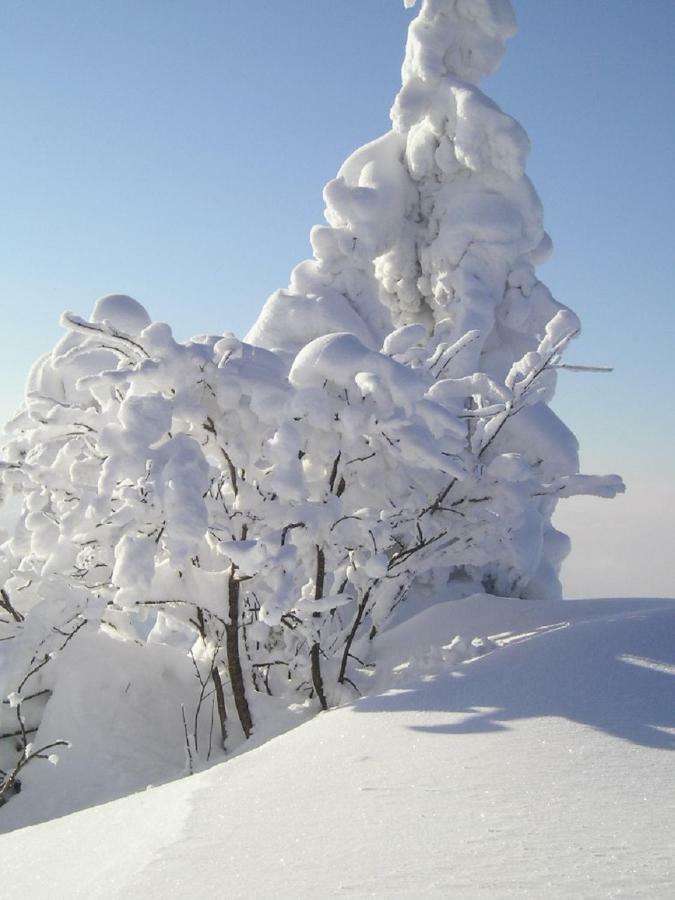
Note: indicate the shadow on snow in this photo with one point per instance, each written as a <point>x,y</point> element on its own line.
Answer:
<point>615,674</point>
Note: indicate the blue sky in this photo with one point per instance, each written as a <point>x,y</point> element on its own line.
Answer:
<point>176,151</point>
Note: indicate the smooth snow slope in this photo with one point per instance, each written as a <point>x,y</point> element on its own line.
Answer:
<point>542,769</point>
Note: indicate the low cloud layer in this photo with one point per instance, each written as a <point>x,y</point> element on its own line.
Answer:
<point>622,548</point>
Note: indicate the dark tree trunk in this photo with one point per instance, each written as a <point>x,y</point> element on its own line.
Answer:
<point>352,634</point>
<point>220,703</point>
<point>317,680</point>
<point>315,652</point>
<point>234,655</point>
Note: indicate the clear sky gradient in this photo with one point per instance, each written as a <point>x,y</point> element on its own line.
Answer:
<point>176,151</point>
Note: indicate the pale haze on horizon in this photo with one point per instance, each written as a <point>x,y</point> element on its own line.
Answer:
<point>158,152</point>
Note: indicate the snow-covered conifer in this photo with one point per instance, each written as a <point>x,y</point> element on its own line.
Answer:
<point>436,223</point>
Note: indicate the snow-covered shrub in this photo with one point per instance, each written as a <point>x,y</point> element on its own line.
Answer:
<point>130,491</point>
<point>261,508</point>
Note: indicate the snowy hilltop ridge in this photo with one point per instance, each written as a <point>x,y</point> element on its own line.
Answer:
<point>542,769</point>
<point>229,528</point>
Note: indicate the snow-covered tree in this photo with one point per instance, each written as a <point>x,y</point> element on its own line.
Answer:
<point>261,508</point>
<point>437,223</point>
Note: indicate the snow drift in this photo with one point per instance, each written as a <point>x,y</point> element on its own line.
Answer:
<point>543,768</point>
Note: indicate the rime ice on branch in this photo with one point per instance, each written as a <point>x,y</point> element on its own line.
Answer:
<point>436,223</point>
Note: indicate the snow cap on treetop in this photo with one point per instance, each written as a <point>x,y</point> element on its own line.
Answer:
<point>461,38</point>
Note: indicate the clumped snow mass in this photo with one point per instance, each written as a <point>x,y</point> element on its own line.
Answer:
<point>210,541</point>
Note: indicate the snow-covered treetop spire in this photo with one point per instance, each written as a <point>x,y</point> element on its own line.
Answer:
<point>434,221</point>
<point>464,38</point>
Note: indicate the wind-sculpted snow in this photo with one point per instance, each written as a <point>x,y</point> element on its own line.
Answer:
<point>459,37</point>
<point>261,509</point>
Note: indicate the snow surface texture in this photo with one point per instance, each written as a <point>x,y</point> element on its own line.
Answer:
<point>542,768</point>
